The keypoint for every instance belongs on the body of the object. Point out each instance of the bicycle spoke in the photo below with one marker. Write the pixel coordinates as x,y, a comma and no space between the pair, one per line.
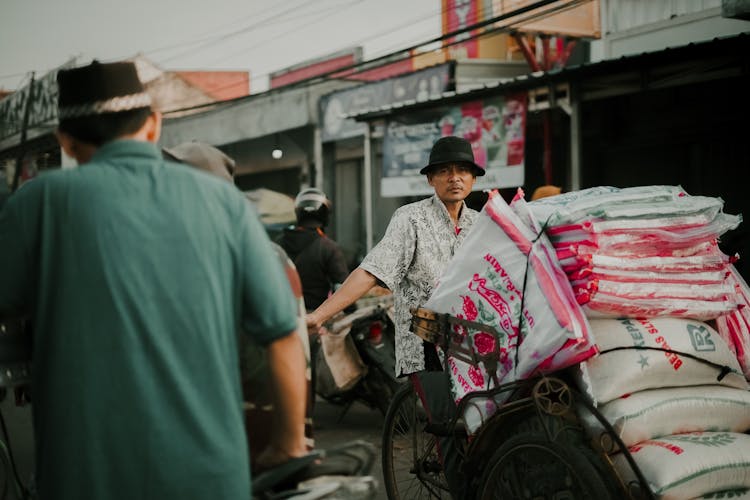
411,465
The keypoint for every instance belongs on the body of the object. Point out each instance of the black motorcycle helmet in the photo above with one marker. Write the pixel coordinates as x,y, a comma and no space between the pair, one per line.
312,205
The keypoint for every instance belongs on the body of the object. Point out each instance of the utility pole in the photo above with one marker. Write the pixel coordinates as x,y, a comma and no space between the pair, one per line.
22,142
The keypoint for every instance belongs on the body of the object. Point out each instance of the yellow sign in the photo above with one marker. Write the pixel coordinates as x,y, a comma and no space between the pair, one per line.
563,18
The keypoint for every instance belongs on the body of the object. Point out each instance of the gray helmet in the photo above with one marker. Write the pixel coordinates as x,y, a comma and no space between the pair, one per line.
312,204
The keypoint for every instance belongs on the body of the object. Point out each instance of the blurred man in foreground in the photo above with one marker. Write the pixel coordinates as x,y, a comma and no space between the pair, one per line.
136,273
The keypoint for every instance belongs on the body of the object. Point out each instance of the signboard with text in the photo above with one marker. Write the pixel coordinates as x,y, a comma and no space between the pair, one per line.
458,15
418,86
43,106
496,128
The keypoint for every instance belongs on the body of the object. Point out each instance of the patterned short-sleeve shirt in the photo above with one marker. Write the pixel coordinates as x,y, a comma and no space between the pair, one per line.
419,242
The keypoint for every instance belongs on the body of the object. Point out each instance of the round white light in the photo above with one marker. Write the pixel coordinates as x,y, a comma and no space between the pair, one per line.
277,154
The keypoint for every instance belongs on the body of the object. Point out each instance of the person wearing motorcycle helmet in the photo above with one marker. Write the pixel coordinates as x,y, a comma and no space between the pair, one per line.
319,260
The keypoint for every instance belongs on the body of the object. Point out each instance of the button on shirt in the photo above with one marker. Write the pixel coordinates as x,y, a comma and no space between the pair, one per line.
420,240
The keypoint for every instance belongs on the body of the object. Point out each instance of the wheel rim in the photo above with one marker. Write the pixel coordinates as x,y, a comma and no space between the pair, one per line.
537,471
553,396
411,466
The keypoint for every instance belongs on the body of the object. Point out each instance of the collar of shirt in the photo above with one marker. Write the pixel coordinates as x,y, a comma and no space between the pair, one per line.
126,147
463,219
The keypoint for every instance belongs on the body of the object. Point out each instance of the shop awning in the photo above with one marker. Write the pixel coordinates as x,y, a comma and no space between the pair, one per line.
701,61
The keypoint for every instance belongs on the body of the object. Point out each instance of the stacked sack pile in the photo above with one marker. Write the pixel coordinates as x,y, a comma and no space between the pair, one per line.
670,317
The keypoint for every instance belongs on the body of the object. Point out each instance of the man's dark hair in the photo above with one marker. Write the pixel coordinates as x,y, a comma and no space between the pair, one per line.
101,129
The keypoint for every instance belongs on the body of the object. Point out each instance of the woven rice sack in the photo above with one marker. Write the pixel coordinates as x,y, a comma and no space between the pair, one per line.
691,465
655,413
629,358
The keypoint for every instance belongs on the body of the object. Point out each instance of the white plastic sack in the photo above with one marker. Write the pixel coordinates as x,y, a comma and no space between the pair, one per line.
655,413
581,249
691,465
506,276
573,206
615,373
657,237
604,305
713,261
731,494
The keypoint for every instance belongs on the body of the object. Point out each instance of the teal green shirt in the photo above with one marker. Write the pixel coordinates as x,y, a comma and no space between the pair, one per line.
137,273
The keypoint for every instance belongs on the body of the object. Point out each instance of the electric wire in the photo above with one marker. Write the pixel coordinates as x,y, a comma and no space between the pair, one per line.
208,35
391,57
243,30
565,6
406,24
266,41
277,17
517,17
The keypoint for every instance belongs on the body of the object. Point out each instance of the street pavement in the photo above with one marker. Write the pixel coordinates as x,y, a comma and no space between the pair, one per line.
331,429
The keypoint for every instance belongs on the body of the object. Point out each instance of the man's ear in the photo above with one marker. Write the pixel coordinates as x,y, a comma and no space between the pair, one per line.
75,148
67,142
152,127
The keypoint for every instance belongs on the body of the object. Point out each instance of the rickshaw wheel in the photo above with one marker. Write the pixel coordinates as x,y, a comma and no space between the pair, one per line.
411,466
529,465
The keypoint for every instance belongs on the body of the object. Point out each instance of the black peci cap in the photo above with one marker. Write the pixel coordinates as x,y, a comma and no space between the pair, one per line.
100,88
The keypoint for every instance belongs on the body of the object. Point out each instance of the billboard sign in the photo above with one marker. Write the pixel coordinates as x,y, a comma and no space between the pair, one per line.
417,86
581,21
43,109
496,128
458,15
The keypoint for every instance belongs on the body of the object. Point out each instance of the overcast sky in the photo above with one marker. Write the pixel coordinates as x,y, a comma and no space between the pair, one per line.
260,36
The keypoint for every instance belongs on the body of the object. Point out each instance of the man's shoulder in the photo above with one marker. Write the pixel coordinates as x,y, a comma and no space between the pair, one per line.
42,181
328,243
413,208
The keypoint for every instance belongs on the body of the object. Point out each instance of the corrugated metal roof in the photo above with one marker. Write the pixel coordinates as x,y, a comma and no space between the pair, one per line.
736,45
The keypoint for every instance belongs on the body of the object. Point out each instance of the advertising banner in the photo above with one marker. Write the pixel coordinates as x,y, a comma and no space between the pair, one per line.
417,86
582,21
496,128
458,15
43,106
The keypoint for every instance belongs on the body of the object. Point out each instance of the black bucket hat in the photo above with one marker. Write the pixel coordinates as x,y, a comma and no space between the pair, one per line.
100,88
451,149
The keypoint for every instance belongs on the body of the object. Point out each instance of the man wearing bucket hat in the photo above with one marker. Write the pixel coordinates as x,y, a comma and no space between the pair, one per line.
135,292
419,242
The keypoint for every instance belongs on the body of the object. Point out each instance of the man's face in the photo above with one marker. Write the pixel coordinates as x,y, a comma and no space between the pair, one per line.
452,181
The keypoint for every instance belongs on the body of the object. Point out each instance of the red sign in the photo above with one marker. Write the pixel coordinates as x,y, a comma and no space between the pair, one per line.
458,15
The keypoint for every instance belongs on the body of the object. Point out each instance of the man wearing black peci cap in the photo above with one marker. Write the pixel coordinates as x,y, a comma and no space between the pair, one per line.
419,242
136,273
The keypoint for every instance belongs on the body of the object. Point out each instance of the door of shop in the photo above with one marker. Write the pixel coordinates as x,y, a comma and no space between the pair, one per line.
348,224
